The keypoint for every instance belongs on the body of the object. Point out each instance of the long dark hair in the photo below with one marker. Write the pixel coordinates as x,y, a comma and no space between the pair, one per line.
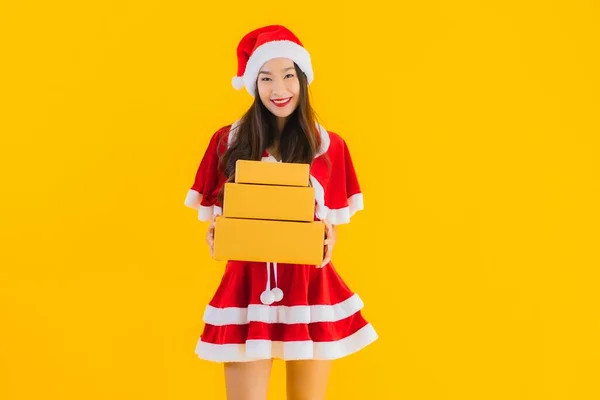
298,143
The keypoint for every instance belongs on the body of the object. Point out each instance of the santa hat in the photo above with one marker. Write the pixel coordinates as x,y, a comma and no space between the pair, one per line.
264,44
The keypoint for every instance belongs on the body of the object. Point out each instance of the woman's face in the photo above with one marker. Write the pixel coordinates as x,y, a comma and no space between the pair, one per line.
278,86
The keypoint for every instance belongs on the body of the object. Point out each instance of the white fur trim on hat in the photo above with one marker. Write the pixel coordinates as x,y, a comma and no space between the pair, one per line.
276,49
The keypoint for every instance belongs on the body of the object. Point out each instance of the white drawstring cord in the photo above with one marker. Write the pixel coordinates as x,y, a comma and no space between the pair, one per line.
278,293
269,296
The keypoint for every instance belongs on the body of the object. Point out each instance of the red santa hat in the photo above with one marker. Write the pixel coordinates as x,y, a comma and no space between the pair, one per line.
264,44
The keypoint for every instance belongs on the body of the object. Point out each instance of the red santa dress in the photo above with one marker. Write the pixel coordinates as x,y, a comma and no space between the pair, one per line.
290,312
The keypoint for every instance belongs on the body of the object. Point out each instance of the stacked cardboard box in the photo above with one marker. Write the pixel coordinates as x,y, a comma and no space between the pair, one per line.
268,215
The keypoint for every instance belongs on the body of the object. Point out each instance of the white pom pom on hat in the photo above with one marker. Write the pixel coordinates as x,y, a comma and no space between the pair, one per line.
237,82
263,44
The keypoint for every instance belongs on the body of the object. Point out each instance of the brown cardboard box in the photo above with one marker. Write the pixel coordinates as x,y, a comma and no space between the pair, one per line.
263,241
284,203
272,173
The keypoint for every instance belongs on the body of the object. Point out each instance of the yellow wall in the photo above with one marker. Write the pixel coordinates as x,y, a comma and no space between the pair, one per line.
473,127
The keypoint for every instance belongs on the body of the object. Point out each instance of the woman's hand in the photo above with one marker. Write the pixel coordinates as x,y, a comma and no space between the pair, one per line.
330,238
210,235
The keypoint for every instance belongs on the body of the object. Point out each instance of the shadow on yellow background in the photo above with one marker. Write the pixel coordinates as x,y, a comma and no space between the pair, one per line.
474,130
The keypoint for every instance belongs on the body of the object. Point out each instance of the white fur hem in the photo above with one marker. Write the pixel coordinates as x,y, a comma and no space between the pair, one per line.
283,314
336,216
301,350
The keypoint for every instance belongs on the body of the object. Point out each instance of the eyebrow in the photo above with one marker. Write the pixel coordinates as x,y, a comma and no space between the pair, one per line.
268,73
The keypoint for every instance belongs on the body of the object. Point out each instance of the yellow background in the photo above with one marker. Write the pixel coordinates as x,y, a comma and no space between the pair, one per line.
473,127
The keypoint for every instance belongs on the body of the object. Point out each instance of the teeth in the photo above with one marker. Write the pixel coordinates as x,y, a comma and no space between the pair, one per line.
280,101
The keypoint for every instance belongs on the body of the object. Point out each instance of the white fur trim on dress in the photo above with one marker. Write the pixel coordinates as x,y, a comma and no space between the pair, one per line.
275,49
205,213
335,216
300,350
233,131
282,314
325,141
193,199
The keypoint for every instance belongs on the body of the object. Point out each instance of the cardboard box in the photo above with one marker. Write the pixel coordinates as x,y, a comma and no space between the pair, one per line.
263,241
272,173
284,203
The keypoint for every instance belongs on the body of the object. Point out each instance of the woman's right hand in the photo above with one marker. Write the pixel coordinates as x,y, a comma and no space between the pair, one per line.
210,235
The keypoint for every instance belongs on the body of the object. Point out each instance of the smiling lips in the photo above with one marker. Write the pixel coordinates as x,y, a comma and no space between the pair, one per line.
281,102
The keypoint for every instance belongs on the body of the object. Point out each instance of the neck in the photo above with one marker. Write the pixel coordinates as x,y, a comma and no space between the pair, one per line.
280,125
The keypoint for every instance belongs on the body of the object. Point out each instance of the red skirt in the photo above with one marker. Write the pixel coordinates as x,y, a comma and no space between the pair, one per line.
284,311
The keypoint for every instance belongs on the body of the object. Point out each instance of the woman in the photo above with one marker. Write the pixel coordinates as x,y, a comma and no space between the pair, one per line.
310,317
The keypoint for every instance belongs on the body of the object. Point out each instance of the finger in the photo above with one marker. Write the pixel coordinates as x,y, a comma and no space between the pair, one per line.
327,258
210,232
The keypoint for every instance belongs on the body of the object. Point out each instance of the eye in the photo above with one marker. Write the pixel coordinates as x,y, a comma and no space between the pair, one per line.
289,76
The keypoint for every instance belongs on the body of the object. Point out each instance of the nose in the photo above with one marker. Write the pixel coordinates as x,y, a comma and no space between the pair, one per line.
278,86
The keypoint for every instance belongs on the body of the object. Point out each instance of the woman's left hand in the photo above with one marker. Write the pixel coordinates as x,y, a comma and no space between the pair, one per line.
330,238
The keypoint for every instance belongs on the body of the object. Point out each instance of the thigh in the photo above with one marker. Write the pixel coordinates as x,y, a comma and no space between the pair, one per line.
307,379
247,380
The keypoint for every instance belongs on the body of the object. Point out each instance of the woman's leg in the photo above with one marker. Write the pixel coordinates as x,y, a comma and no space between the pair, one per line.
307,379
247,380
